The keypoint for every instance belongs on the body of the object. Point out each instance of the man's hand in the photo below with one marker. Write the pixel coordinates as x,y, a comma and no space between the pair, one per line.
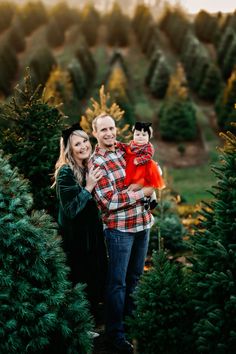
148,191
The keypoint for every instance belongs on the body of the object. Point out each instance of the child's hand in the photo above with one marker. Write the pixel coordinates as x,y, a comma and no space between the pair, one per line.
148,191
134,187
135,162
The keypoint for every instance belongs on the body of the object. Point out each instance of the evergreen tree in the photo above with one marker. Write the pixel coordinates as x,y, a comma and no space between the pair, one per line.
211,83
40,312
178,86
147,36
224,45
117,27
7,11
8,67
141,19
176,25
189,54
167,229
153,63
199,69
59,87
160,79
162,320
214,269
152,43
55,34
206,26
90,21
15,37
118,59
229,60
85,57
33,140
77,77
41,64
32,15
117,83
63,15
178,120
196,61
225,103
118,86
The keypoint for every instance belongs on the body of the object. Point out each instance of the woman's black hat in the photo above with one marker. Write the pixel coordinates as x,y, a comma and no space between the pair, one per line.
67,132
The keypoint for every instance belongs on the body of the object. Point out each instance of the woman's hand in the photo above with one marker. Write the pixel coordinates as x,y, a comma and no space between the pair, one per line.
93,175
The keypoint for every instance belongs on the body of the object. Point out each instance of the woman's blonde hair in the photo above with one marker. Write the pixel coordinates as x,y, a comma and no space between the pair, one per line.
66,157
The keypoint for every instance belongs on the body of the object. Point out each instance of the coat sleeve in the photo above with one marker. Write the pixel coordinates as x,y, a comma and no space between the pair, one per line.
72,197
145,154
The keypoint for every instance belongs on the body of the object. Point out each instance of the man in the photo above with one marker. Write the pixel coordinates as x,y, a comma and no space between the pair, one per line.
127,225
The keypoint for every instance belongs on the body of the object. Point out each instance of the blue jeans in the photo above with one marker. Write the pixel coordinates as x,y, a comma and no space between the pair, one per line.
127,252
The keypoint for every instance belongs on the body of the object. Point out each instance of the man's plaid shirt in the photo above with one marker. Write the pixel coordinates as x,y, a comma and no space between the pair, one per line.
121,209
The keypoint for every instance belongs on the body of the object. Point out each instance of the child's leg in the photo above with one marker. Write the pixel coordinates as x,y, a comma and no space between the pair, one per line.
150,202
153,200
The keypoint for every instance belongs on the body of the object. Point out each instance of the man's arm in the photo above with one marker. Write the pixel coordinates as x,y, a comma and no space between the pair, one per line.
122,146
111,199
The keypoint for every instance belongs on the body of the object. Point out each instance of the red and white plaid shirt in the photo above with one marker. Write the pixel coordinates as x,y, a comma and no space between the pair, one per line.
121,209
143,153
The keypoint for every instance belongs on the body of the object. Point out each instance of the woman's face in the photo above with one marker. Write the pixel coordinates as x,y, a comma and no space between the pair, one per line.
81,148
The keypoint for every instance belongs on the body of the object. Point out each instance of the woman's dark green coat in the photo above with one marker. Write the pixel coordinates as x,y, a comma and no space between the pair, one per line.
82,234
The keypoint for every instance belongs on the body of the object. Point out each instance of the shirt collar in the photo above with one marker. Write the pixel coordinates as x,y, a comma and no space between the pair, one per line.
103,152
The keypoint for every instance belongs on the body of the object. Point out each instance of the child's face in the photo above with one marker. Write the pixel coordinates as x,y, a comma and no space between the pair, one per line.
141,137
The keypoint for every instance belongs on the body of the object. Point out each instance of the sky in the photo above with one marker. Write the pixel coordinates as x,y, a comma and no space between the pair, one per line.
194,6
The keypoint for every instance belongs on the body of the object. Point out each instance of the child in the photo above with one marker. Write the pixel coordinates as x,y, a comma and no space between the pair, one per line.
140,168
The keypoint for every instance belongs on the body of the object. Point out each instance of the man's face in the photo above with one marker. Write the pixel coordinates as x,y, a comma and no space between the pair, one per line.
106,132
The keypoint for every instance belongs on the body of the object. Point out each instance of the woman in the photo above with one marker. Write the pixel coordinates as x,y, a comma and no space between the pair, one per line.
78,219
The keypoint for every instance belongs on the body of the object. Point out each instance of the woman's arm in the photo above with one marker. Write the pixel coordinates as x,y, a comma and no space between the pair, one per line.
72,196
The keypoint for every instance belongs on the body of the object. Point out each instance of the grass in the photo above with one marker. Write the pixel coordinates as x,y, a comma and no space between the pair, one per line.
192,183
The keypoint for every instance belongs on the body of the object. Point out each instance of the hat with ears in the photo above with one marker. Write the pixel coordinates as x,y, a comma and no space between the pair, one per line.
67,132
145,126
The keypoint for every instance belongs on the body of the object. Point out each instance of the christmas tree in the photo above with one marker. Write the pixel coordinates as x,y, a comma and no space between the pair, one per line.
160,79
40,312
32,140
162,321
178,120
214,267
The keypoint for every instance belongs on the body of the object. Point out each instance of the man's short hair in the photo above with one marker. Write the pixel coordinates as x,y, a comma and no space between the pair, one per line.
102,115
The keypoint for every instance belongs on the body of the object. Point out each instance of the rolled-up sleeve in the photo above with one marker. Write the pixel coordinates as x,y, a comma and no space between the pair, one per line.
109,198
